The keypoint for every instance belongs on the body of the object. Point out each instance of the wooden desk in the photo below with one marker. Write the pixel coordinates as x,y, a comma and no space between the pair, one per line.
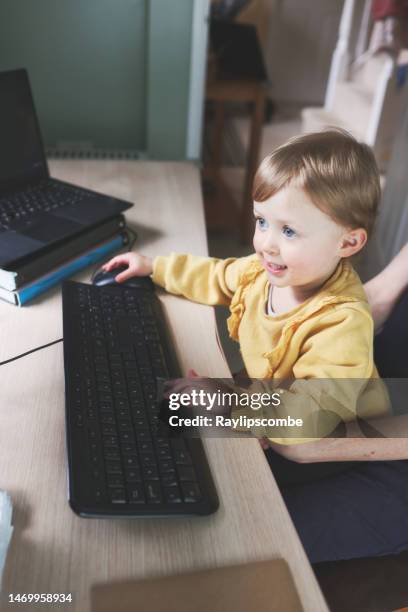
53,550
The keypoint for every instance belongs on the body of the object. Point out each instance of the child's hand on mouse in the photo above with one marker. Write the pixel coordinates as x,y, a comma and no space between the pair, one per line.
138,265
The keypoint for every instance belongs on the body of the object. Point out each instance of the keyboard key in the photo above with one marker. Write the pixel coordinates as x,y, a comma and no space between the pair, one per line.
106,407
172,495
130,462
113,467
166,466
146,446
186,474
191,492
153,492
141,423
143,436
182,457
162,443
109,430
125,425
110,442
126,436
129,449
115,481
123,413
138,411
112,455
148,459
163,453
108,419
169,479
150,473
117,496
136,494
133,475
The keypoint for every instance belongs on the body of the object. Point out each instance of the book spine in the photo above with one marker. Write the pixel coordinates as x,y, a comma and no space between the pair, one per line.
8,280
8,296
38,265
28,293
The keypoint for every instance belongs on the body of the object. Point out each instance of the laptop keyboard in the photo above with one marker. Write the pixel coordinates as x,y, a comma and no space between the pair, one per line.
42,197
123,461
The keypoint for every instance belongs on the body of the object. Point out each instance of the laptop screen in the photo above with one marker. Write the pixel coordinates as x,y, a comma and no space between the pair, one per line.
22,157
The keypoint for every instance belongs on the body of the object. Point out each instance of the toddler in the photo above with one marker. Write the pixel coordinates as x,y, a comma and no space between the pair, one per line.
298,309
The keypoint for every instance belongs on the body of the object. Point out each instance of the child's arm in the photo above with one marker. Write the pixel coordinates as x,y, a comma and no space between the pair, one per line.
206,280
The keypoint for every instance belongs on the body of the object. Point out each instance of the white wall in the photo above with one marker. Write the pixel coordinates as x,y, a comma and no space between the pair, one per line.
301,38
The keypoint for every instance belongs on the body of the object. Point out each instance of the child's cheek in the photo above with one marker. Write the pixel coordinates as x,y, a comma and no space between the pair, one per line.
294,258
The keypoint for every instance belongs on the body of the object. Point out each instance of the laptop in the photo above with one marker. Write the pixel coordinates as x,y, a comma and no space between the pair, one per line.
37,211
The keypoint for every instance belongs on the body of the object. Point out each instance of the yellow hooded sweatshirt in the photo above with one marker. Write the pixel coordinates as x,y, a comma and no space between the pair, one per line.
321,352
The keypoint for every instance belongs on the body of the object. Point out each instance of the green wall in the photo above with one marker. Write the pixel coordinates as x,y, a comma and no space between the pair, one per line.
106,73
169,52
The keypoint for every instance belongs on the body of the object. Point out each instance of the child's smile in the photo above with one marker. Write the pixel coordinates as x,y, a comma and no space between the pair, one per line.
275,269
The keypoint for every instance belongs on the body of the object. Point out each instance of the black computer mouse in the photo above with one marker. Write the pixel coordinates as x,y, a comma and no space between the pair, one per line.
102,278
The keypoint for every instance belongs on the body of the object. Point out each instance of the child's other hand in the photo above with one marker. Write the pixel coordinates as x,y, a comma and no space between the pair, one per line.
192,382
138,265
195,382
264,442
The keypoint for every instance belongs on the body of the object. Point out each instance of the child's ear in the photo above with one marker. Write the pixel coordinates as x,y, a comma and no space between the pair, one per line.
352,242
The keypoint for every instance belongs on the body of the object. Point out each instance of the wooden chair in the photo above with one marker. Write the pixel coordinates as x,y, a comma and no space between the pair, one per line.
221,92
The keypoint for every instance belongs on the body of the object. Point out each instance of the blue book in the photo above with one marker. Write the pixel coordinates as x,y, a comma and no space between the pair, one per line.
28,292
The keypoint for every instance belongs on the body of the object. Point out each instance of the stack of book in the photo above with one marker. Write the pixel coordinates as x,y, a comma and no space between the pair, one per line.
27,278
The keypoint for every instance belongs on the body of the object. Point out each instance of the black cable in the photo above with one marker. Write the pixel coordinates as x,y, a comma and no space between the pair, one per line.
132,241
32,351
133,238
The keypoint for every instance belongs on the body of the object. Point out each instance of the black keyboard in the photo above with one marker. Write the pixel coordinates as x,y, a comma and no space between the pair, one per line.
42,197
123,460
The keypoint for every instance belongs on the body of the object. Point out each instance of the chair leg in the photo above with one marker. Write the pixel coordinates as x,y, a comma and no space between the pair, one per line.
247,221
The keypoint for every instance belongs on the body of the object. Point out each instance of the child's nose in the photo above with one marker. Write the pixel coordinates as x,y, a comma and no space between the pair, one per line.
271,244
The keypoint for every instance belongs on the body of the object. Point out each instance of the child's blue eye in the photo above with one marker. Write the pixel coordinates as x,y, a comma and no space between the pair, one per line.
262,223
288,232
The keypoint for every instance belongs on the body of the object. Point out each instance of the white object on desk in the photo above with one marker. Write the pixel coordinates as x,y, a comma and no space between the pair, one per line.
6,528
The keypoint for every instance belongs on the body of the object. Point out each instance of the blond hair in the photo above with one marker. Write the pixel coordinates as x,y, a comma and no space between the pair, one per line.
338,173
